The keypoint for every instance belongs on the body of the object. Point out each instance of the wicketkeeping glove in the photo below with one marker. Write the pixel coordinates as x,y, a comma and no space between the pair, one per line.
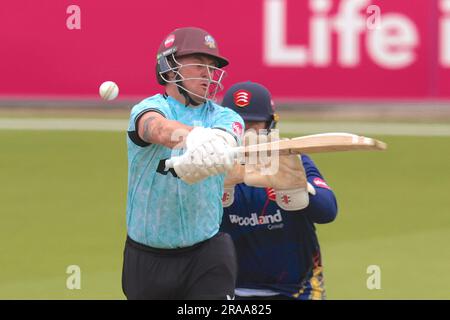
288,179
233,177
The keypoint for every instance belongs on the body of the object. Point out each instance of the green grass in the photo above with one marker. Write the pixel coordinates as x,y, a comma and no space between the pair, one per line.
63,203
394,212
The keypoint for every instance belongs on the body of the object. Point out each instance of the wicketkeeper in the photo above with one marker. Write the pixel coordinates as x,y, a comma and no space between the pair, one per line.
271,217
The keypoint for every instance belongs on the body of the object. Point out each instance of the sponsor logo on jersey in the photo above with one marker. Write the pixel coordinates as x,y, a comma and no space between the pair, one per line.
242,98
254,220
321,183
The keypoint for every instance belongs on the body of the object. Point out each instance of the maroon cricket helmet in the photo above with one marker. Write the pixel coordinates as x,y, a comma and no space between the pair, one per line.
191,40
186,41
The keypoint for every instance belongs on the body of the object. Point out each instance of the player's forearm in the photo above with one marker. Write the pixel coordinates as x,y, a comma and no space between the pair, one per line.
322,206
168,133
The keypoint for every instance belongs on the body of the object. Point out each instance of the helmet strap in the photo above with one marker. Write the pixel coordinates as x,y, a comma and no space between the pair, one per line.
272,123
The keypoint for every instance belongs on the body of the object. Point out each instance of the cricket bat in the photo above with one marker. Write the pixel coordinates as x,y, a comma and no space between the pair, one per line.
316,143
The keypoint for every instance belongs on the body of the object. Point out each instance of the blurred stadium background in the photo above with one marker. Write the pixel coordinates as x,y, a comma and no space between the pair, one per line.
377,68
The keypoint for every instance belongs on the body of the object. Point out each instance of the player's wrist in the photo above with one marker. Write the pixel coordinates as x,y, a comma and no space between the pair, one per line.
292,199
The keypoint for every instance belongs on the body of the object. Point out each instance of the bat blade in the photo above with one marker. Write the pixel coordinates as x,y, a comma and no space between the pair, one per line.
318,143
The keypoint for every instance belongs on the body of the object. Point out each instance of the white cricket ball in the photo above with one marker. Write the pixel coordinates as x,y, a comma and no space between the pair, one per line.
109,90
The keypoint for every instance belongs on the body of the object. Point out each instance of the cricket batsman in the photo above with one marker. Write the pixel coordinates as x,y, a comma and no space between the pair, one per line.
271,217
174,249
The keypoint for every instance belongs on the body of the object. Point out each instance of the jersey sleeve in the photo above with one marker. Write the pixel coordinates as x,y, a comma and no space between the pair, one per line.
231,122
149,105
323,205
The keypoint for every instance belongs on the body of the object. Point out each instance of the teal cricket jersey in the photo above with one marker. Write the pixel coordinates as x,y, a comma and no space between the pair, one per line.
162,210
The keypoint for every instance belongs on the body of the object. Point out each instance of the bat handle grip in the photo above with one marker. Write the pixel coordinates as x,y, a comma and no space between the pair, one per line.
233,151
236,153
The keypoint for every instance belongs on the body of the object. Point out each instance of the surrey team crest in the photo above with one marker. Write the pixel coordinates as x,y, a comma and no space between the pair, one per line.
210,42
